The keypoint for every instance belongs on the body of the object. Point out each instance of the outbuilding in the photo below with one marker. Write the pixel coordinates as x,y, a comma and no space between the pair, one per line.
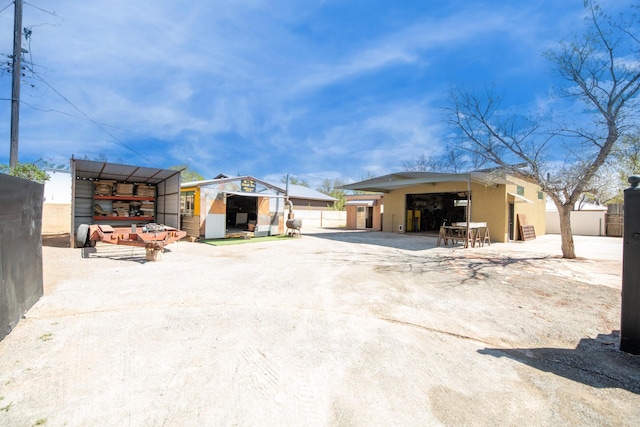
364,211
424,201
224,206
122,195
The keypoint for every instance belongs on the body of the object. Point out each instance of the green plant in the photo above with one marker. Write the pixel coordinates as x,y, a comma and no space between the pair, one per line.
27,171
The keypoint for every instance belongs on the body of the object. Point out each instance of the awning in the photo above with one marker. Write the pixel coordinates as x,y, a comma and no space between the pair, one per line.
361,203
88,169
516,198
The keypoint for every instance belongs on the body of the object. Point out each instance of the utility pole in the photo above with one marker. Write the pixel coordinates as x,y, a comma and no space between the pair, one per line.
15,89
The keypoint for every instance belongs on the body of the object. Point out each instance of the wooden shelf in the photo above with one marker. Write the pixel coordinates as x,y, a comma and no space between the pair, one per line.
124,218
130,198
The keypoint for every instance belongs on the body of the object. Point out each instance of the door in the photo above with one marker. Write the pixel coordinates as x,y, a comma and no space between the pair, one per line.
512,211
361,217
369,218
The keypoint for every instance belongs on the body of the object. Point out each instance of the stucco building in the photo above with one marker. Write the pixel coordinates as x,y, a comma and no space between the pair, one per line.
423,201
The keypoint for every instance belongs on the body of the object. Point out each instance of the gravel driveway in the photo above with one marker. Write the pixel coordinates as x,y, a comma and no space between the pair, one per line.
335,328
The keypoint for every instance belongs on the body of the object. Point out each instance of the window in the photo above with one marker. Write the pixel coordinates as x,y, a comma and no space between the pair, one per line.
187,201
520,190
540,195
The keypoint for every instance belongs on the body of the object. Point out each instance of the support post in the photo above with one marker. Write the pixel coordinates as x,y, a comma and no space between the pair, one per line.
630,316
15,87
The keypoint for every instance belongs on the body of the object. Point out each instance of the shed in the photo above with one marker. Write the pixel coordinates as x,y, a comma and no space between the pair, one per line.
121,195
364,211
226,206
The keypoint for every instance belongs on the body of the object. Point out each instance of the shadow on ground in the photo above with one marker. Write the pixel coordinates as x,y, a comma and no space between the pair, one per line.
60,240
596,362
411,242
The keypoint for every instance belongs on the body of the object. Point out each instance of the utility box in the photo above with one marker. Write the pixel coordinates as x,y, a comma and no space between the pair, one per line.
630,319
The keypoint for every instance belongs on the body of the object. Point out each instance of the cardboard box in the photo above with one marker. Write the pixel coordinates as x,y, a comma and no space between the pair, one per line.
104,187
121,205
124,189
145,191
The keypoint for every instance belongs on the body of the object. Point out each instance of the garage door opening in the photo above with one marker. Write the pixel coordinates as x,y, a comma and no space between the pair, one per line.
242,213
427,212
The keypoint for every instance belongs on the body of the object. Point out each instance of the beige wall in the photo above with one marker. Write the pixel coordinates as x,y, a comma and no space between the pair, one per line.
536,212
488,204
321,218
56,218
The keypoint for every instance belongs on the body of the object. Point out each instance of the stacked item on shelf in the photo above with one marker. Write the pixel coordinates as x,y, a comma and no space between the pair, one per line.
99,210
145,191
125,190
104,187
147,208
121,208
135,208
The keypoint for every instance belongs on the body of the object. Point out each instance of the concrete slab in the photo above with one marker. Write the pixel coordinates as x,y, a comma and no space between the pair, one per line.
334,328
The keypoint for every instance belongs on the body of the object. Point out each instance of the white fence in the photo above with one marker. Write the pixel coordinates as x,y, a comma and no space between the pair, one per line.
318,218
583,223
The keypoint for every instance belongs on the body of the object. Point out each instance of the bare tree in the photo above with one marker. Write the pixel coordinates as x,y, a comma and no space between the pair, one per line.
453,161
596,71
421,163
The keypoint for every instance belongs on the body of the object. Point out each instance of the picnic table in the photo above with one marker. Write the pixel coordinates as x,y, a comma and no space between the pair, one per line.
478,233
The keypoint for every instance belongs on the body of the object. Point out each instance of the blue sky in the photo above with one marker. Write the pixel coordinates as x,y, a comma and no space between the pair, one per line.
336,89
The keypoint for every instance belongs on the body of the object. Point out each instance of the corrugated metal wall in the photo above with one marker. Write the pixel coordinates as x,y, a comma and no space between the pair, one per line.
82,203
168,202
21,283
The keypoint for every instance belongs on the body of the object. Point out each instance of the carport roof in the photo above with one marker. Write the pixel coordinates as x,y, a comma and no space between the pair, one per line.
88,169
395,181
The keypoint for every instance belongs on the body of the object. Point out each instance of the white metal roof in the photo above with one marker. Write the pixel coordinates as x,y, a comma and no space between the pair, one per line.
89,169
395,181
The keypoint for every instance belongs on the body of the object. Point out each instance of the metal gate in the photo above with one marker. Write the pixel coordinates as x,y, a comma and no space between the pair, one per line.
21,282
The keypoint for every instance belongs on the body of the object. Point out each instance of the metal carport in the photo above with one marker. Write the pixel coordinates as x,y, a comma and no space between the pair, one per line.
85,172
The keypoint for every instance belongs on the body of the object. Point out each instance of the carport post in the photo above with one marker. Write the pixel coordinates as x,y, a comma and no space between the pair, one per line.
630,319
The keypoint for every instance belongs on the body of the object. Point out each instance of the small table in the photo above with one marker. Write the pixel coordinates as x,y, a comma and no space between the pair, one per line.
478,232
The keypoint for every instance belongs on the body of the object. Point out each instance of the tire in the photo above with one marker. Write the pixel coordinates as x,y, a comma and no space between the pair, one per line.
82,235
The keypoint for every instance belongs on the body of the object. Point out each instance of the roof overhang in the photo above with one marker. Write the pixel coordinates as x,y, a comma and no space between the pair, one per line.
516,198
361,203
388,183
245,194
88,169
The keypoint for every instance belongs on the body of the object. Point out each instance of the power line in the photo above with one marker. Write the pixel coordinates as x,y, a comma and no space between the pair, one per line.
64,113
5,8
100,126
52,13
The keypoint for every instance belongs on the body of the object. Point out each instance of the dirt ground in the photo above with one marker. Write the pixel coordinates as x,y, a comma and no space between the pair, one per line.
335,328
